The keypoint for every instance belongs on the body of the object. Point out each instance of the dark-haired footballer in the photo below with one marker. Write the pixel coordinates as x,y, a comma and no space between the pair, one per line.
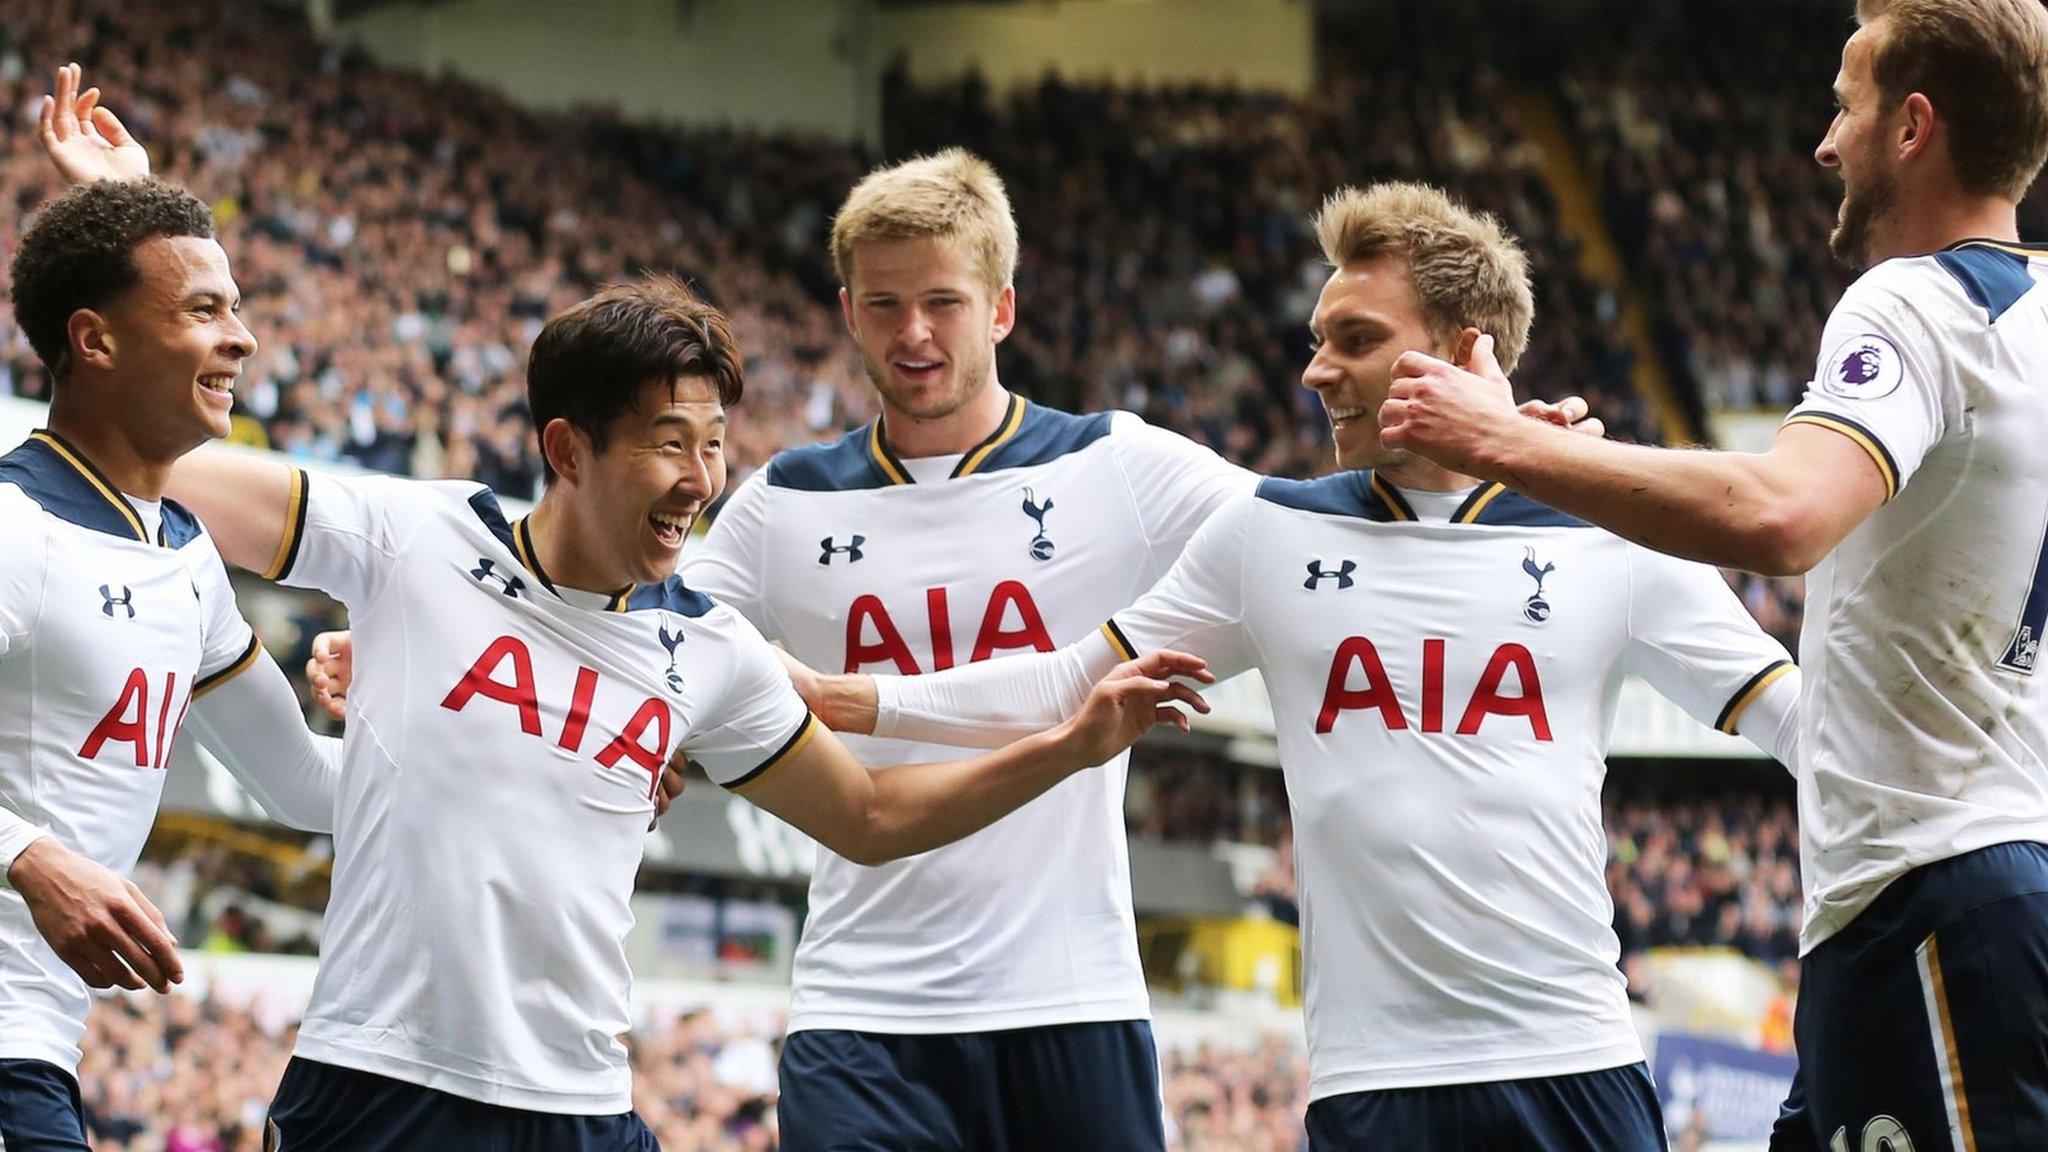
116,616
518,688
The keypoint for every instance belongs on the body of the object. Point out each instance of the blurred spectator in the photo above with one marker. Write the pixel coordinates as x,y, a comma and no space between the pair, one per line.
1704,142
1700,872
399,239
183,1074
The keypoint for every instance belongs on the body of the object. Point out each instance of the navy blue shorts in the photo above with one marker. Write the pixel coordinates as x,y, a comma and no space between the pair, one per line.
1923,1025
325,1108
1059,1088
39,1108
1613,1110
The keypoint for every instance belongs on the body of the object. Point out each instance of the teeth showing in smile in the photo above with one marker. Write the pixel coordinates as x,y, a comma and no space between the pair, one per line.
218,383
1339,415
668,522
916,365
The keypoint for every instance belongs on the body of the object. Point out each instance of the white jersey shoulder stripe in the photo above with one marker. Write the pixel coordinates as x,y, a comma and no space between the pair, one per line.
1367,495
295,529
1731,716
790,747
241,664
862,459
1864,439
52,472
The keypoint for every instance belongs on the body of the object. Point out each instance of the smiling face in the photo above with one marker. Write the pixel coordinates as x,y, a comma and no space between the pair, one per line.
662,464
1855,146
926,324
171,346
1365,318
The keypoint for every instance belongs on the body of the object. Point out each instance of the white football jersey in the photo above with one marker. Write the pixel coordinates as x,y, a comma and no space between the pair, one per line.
504,743
860,562
1925,716
1443,691
108,630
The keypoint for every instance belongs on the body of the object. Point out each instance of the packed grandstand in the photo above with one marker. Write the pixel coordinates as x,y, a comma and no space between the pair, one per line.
400,238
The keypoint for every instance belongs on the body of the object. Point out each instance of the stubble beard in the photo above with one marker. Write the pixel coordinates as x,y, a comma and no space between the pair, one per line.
967,383
1857,222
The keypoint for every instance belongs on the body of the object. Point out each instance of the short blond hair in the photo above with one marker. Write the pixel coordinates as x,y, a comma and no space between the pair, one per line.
1466,269
952,195
1983,64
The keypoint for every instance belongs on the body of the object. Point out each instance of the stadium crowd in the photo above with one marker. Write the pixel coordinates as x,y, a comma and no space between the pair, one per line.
1706,872
184,1073
400,239
1706,160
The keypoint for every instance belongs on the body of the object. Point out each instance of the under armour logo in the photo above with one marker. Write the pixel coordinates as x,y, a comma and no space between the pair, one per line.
125,600
1341,574
1535,609
827,550
1041,545
672,642
487,569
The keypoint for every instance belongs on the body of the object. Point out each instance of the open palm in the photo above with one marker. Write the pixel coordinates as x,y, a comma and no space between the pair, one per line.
85,141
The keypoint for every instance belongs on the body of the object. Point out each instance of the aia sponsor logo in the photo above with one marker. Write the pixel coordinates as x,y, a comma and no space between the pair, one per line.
502,675
1358,683
1010,621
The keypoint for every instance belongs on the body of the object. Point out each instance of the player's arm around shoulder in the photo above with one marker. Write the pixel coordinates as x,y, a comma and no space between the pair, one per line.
1819,485
247,503
872,816
1776,512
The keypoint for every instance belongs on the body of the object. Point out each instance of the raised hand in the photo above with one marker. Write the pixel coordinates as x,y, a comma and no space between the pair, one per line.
85,141
330,670
98,922
1136,694
1453,414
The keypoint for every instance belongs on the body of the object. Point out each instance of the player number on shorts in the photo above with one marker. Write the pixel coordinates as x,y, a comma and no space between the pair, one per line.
1882,1134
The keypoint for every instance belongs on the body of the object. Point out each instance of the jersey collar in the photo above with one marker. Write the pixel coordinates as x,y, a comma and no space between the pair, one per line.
1396,507
1475,504
58,476
1389,500
2013,246
890,466
529,556
1386,500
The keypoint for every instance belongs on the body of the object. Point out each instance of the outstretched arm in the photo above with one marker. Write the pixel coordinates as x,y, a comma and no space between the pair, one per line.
1776,512
253,723
871,816
244,500
989,704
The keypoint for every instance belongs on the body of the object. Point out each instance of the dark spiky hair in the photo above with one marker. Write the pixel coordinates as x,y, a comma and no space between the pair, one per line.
80,253
591,360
